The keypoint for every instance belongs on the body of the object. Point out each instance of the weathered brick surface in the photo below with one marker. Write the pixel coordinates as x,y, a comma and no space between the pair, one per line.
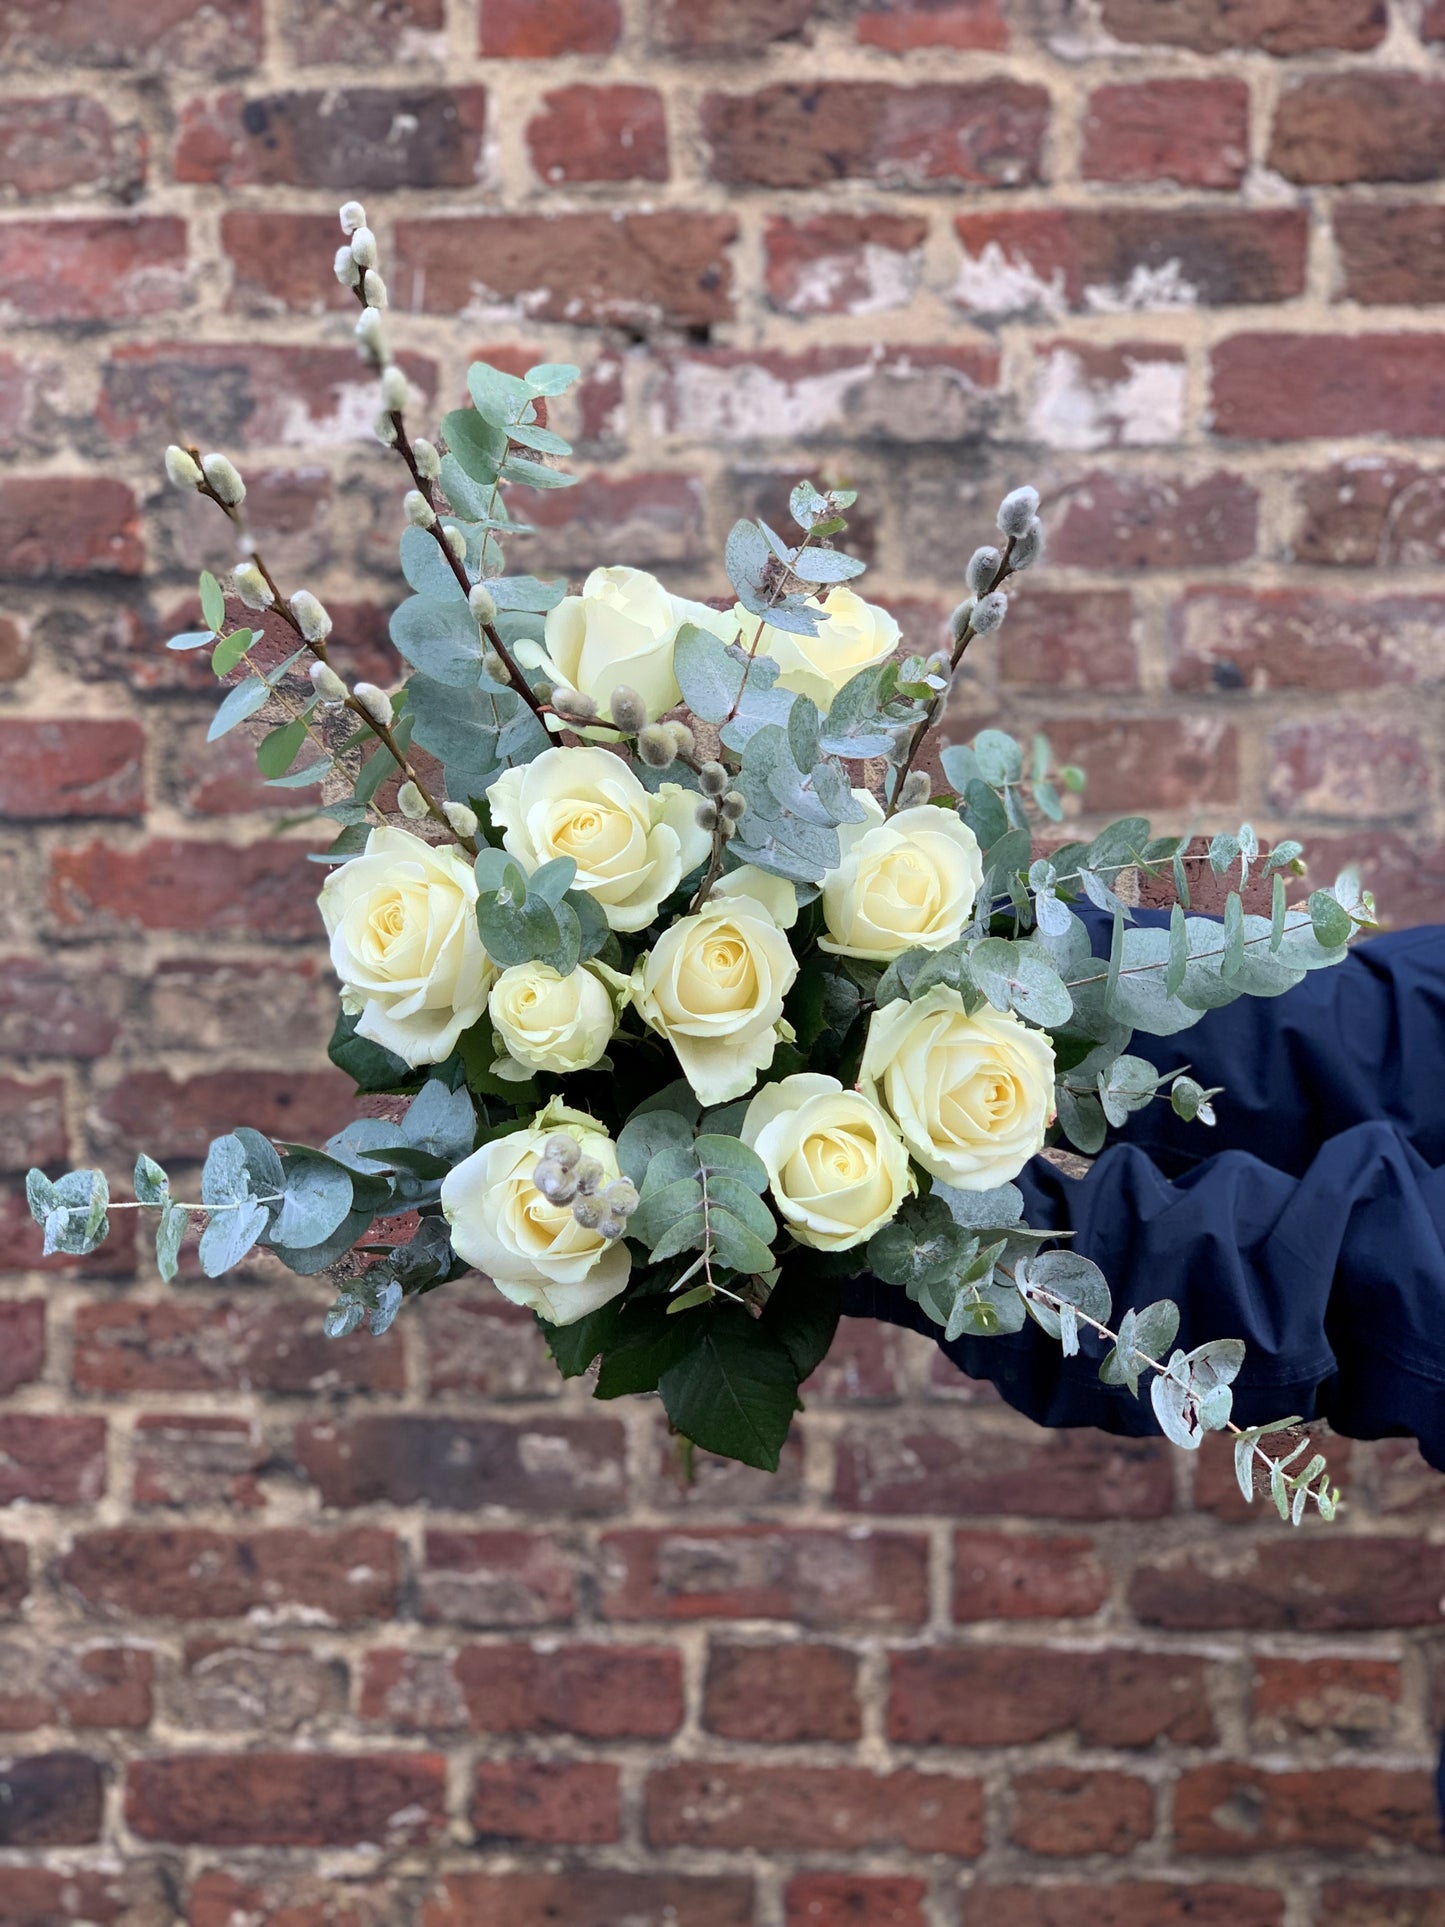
406,1633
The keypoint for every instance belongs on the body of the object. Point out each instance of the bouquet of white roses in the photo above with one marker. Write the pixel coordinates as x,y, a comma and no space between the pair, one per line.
690,995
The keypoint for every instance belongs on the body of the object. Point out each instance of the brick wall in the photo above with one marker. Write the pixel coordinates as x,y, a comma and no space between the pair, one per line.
383,1634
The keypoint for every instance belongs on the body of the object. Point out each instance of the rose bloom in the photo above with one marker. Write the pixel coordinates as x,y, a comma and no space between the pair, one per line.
907,883
621,629
631,848
402,918
837,1167
548,1022
854,636
972,1095
714,985
534,1251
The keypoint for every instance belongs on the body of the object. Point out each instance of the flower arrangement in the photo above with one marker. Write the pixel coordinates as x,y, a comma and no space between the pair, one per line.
689,996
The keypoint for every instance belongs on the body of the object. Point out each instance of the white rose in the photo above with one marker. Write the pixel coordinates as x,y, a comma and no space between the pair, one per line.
621,629
854,635
776,895
972,1095
552,1023
402,918
631,849
534,1251
714,986
837,1167
908,883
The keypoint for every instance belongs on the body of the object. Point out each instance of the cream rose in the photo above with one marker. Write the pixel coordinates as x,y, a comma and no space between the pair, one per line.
714,986
534,1251
402,918
907,883
973,1095
853,636
631,849
548,1022
621,629
837,1167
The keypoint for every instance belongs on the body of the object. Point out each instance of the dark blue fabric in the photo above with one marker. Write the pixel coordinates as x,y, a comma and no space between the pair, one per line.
1310,1221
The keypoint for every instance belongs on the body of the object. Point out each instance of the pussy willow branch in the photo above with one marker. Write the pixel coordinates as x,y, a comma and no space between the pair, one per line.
714,868
931,714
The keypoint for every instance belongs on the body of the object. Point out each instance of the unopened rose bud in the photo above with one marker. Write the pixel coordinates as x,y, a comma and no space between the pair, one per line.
375,702
562,1150
573,707
224,478
588,1213
683,740
621,1196
252,587
327,684
419,511
428,462
917,788
707,817
395,389
654,745
345,268
483,606
311,617
374,289
1017,509
363,247
182,469
989,612
1029,546
410,801
384,428
462,819
589,1175
712,779
629,711
370,336
456,541
733,807
983,566
353,216
961,620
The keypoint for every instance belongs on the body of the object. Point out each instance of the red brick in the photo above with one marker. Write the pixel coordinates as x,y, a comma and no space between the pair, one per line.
1080,639
571,1466
264,1342
509,1579
897,394
761,1572
1402,1484
343,1578
1142,1903
1361,1903
100,268
1354,1702
584,133
1407,875
363,33
1153,522
1216,1489
591,1897
1319,1585
855,1900
78,1897
230,1686
22,1342
22,1242
1193,132
1346,769
1274,26
205,889
866,1365
571,1802
1018,1575
651,518
597,1692
947,1465
1432,23
808,135
842,263
50,1800
184,1459
273,1898
68,525
93,1687
14,1577
724,26
1005,1696
698,1803
209,34
478,1343
1331,129
392,1800
1059,1811
1230,1808
521,30
1281,387
1391,255
347,139
900,25
781,1694
62,143
32,1131
279,266
1371,511
635,270
703,1484
1150,763
1122,258
15,653
53,768
176,1117
1294,639
51,1459
1129,394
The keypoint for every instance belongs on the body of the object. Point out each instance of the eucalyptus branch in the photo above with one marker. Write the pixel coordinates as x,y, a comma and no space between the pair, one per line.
780,589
